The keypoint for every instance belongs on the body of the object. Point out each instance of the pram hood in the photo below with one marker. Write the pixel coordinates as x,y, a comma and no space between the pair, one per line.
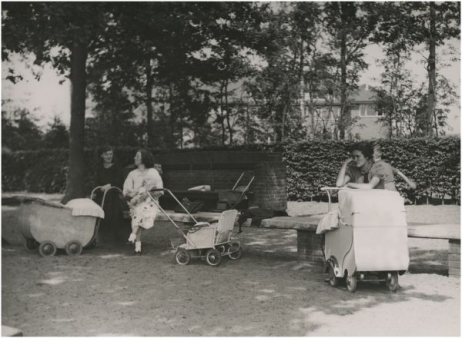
372,208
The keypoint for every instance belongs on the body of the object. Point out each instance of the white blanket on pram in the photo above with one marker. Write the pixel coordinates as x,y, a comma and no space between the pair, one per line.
328,222
85,207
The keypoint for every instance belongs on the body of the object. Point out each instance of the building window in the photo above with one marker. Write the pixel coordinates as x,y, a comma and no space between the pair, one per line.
355,111
369,110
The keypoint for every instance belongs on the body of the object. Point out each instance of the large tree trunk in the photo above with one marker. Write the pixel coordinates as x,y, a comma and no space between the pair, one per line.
431,74
149,110
75,176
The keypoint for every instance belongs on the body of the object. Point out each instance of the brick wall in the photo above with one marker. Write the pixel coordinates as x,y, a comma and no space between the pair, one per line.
221,170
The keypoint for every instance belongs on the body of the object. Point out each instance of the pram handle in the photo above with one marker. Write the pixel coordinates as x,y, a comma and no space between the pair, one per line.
174,197
328,190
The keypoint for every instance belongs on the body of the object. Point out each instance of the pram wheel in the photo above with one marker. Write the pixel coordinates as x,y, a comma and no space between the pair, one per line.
182,256
392,282
333,280
31,245
73,248
213,257
235,251
351,283
47,249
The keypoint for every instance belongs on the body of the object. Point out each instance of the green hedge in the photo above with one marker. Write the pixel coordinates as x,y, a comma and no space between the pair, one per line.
433,163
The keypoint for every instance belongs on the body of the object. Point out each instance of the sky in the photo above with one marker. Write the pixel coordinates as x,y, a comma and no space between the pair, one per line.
48,98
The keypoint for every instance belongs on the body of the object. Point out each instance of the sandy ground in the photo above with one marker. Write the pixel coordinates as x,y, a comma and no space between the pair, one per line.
108,292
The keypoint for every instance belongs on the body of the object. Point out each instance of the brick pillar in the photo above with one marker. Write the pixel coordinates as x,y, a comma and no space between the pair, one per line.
454,258
270,185
309,248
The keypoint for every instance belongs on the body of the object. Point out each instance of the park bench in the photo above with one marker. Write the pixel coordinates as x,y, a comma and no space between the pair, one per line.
309,244
8,331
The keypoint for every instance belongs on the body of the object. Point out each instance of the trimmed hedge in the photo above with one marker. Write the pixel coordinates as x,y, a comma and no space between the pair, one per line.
433,163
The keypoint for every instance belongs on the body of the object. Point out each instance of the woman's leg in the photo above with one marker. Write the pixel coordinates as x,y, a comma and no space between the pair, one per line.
134,234
138,240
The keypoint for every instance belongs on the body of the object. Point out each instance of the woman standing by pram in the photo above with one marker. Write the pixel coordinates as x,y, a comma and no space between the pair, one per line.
143,212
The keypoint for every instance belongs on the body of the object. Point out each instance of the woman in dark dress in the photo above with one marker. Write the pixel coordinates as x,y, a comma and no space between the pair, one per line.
109,174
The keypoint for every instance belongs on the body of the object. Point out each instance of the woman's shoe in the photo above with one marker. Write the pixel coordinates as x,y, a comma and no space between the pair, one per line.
137,253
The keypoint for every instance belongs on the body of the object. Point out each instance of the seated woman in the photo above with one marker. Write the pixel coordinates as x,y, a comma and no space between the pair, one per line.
381,174
143,210
109,174
356,168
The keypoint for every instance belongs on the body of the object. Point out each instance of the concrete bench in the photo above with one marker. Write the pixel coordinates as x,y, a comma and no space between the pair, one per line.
8,331
309,244
450,232
201,216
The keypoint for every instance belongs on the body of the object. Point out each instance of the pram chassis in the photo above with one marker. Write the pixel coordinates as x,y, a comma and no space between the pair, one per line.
206,245
349,270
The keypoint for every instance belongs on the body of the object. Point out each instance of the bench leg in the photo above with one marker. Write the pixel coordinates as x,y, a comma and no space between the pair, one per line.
309,248
454,258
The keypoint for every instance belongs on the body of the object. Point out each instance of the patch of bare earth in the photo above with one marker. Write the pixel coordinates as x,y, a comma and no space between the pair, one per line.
108,292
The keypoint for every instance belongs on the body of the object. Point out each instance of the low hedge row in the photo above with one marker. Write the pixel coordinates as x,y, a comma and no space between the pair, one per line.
433,163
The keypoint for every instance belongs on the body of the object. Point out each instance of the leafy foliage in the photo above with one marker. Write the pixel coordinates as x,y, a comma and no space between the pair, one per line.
434,164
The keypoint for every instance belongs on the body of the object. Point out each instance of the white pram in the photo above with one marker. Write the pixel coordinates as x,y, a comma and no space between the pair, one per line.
370,242
210,241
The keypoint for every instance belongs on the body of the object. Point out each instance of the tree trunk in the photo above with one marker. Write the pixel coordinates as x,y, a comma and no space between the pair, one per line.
228,122
75,176
222,118
149,110
343,84
302,82
431,73
172,118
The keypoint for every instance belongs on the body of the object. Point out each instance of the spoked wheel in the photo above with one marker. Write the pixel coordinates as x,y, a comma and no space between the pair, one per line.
235,250
213,257
47,249
392,282
333,280
351,283
73,248
31,245
182,256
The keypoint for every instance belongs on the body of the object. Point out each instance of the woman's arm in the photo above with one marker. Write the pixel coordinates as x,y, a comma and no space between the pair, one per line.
343,179
157,183
128,186
409,182
371,185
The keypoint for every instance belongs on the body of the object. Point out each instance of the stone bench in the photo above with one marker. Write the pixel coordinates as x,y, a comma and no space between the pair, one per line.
450,232
309,245
8,331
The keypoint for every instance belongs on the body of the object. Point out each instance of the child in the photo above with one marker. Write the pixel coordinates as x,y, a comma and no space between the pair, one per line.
141,197
387,170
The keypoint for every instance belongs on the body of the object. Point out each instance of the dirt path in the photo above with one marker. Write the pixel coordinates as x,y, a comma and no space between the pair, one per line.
108,292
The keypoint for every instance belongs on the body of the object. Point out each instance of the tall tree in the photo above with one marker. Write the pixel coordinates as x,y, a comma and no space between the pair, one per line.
64,35
414,23
349,25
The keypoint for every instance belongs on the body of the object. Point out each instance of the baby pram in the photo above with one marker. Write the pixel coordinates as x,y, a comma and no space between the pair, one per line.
48,226
205,240
370,241
229,199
